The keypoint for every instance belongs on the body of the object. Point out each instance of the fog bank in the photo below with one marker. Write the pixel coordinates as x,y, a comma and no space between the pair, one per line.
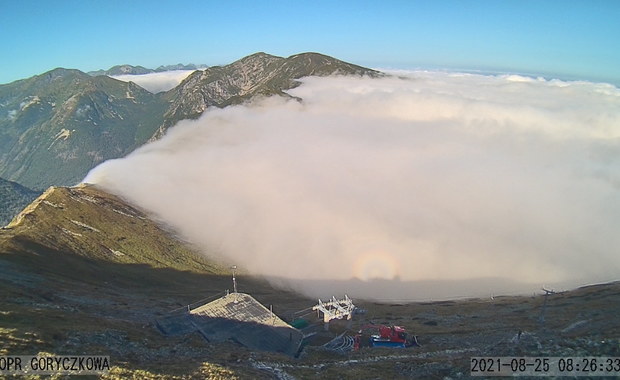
431,177
156,82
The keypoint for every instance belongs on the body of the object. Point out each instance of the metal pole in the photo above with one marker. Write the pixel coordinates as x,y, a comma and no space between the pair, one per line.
544,307
234,279
271,311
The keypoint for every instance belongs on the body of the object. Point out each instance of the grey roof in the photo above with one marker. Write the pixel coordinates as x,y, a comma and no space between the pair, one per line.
238,317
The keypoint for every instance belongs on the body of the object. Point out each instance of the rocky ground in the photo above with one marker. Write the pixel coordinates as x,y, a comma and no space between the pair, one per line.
82,273
117,320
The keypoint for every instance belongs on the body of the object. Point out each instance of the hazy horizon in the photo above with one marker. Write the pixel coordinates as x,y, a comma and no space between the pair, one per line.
566,40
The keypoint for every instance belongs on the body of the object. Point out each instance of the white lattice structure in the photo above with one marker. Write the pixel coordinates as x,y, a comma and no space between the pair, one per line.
335,309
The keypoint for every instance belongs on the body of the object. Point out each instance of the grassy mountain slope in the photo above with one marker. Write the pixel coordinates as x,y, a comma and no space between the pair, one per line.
13,198
57,126
84,221
83,272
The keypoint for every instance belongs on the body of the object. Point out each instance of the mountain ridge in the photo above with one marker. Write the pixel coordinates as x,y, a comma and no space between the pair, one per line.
88,222
56,126
85,272
127,69
259,74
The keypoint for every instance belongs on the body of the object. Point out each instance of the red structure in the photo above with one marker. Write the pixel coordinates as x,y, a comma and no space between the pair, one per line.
388,336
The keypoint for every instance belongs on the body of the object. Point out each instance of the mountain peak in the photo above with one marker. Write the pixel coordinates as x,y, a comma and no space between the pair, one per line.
122,70
311,54
60,72
261,55
259,74
60,124
259,58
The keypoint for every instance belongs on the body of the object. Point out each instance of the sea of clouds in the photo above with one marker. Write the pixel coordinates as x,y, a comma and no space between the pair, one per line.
156,82
414,186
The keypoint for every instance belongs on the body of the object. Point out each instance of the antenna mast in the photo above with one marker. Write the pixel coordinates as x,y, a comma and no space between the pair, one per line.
541,319
234,267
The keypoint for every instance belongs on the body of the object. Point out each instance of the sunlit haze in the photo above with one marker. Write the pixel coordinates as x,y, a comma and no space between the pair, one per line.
500,182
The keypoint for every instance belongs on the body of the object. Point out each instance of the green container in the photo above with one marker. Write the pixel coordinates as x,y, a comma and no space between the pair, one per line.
299,323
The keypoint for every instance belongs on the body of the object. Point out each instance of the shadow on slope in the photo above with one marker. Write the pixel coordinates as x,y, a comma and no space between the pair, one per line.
59,302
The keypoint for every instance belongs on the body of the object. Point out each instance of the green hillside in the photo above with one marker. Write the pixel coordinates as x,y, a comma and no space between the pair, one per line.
82,272
57,126
84,221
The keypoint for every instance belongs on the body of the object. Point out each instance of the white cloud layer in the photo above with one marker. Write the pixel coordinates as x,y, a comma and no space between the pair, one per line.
156,82
445,184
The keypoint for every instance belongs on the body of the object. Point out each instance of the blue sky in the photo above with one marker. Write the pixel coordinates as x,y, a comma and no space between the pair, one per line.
567,39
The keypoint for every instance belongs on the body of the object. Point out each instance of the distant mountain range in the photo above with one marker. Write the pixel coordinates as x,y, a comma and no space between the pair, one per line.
56,126
139,70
